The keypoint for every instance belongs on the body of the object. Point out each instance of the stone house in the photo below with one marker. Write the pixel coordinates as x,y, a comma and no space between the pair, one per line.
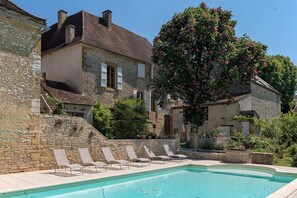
98,59
258,99
20,65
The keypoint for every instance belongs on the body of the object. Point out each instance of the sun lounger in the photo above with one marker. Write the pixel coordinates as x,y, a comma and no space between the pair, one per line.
63,162
88,161
172,155
110,159
132,156
152,156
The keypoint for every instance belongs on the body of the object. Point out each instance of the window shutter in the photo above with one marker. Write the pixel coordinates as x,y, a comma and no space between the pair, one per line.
152,71
103,75
141,70
120,78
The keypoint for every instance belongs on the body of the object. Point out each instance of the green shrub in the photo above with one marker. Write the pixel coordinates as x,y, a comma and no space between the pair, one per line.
292,150
102,119
252,142
129,118
59,108
294,161
211,144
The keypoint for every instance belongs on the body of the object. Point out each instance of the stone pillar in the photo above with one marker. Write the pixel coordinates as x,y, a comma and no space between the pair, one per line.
194,138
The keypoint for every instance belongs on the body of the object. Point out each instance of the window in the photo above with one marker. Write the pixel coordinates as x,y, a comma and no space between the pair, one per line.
111,76
141,70
140,95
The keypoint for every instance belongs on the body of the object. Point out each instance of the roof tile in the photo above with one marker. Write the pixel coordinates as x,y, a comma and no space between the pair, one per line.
90,29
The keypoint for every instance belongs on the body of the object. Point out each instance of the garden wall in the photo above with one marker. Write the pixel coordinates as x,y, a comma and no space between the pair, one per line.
262,158
232,156
70,133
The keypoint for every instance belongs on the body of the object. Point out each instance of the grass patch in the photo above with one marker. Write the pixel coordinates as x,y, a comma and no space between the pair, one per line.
285,161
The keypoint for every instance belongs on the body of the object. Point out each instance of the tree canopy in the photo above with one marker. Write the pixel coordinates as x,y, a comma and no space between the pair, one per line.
198,58
281,74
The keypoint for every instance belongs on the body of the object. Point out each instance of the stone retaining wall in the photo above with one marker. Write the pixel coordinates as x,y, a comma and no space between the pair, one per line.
232,156
204,155
262,158
238,156
31,148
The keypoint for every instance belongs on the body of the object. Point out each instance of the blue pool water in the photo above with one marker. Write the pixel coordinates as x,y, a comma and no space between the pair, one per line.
183,182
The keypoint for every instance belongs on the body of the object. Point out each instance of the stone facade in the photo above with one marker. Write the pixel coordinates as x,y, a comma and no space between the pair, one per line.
20,65
91,75
266,103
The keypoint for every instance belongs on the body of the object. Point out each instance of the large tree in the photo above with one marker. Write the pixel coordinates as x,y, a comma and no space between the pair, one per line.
281,74
198,58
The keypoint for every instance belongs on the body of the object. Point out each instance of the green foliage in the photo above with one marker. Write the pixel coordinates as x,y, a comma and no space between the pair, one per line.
59,108
241,118
251,142
294,161
282,129
102,119
211,144
278,136
129,118
292,150
268,128
199,58
288,125
281,73
285,161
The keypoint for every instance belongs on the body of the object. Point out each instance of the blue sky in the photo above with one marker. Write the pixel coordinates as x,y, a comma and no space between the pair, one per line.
272,22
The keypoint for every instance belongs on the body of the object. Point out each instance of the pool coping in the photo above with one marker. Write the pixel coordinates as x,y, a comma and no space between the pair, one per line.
19,182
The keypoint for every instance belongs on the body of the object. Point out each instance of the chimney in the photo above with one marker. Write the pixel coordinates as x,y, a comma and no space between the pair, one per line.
69,33
62,16
107,17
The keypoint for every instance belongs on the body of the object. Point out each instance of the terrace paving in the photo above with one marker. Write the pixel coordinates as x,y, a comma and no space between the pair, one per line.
45,178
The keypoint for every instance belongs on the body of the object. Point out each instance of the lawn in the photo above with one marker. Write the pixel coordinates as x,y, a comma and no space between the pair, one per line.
285,161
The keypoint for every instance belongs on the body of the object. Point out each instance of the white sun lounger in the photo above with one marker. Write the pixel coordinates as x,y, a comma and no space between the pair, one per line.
152,155
110,159
63,162
88,161
133,157
172,155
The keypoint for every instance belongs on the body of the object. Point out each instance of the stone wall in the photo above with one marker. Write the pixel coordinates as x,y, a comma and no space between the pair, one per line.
19,94
238,156
91,86
31,148
71,133
262,158
266,103
204,155
232,156
19,64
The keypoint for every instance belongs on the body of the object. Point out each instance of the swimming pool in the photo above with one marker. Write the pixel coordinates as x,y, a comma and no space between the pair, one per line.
180,182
